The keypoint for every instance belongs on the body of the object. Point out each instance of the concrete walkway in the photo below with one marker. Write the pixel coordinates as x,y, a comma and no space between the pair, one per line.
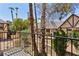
20,53
17,51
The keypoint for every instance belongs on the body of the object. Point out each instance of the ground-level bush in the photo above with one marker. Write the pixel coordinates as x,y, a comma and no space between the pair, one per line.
60,43
75,35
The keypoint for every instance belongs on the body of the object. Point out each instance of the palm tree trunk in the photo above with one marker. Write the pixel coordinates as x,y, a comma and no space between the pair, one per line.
32,29
12,14
43,27
16,12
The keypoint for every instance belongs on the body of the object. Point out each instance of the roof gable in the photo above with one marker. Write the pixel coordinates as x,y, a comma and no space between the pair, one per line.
71,21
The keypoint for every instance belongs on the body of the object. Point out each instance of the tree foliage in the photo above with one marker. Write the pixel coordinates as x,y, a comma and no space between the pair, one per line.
60,43
75,35
25,23
19,24
57,10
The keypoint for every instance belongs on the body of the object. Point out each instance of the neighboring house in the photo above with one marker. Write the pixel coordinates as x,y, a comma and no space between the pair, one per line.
3,28
50,26
71,23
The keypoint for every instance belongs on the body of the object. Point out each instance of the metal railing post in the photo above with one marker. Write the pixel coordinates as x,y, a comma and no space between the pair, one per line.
51,44
71,47
1,53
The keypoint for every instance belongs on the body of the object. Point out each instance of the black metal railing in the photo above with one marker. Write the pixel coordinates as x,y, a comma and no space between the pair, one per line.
20,39
49,46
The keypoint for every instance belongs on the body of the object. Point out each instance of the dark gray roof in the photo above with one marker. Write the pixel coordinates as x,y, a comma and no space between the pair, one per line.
51,24
2,21
55,24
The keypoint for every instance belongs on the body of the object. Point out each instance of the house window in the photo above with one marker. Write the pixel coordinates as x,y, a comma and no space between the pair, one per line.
1,26
69,29
48,30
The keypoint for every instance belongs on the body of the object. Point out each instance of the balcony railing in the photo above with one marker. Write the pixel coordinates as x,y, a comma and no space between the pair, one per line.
22,40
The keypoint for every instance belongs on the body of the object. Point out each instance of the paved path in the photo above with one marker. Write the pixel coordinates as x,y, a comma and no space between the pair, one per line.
20,53
15,52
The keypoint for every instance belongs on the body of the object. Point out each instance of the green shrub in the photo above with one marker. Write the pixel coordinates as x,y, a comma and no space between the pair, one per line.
24,37
24,34
60,43
75,35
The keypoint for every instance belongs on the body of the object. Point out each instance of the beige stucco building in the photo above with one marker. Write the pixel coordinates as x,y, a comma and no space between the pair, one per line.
4,26
50,26
69,23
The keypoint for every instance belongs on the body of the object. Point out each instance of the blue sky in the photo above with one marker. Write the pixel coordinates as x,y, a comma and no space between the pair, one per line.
5,13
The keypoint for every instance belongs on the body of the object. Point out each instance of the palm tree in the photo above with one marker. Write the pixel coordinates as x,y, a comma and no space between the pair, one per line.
43,27
11,12
16,12
31,19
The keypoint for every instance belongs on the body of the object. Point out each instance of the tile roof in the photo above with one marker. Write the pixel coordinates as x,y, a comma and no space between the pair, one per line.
56,24
51,24
2,21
